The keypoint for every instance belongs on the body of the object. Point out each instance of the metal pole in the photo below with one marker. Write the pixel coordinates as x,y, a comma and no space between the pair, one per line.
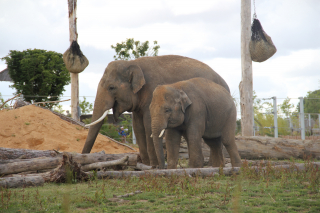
319,121
309,118
254,127
275,113
303,134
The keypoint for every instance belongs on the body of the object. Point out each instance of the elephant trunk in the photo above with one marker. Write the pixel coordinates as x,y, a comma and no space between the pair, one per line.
99,112
157,132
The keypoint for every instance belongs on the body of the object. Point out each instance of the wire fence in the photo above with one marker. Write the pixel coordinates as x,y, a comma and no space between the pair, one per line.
286,120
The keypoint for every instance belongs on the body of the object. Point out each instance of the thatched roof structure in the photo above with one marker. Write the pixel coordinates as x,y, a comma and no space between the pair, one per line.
4,75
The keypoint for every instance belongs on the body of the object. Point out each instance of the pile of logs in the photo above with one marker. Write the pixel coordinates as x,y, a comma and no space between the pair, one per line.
23,167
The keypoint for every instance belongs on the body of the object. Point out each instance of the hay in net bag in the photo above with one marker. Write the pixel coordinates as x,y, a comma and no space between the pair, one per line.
261,46
74,59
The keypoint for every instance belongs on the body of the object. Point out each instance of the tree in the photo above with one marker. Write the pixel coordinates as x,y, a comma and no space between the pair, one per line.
58,109
39,75
86,107
286,107
2,102
131,49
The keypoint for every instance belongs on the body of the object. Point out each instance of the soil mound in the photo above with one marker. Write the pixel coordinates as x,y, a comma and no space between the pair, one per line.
32,127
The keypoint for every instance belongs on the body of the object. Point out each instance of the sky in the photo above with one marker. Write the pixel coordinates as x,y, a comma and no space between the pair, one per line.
206,30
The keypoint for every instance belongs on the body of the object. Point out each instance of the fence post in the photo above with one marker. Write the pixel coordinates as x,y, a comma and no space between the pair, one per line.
254,126
319,120
309,117
303,134
275,113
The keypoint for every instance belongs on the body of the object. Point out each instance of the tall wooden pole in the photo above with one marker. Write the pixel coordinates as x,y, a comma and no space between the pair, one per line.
246,85
72,7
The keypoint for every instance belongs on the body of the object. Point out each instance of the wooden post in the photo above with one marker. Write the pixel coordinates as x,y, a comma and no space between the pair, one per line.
72,8
246,85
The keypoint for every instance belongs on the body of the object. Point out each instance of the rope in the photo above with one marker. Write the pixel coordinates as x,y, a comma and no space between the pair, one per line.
74,23
254,6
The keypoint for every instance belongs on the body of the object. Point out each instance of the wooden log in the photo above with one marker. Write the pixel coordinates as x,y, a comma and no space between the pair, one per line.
141,166
202,172
22,181
92,158
122,161
258,147
30,165
49,163
7,153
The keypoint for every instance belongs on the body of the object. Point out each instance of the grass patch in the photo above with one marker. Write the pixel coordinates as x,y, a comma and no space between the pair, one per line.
275,190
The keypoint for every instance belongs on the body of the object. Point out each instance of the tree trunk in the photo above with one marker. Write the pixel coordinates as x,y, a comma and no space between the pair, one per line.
22,181
246,85
47,163
31,165
258,147
202,172
7,153
123,162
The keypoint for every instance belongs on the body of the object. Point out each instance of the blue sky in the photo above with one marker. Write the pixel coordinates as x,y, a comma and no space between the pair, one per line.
207,30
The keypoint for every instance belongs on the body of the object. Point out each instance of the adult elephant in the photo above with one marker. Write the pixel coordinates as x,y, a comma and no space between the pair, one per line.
128,86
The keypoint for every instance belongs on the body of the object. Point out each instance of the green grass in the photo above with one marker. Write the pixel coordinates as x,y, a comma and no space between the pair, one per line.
275,190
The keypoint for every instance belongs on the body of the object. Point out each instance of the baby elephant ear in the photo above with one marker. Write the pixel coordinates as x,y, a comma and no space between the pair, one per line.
185,101
136,78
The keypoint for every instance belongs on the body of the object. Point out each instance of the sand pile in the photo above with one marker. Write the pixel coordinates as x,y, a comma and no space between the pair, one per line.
32,127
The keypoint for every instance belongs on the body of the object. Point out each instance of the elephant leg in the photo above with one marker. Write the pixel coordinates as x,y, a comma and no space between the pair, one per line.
149,141
173,139
140,134
216,156
193,139
228,140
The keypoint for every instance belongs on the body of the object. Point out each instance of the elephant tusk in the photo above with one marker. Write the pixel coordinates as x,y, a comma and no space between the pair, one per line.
161,133
100,119
151,136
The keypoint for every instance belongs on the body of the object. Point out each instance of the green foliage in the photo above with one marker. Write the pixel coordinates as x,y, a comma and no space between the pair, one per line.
39,75
86,107
131,49
286,107
311,103
2,101
58,109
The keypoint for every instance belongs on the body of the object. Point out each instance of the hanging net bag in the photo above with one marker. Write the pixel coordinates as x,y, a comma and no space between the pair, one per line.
261,46
74,59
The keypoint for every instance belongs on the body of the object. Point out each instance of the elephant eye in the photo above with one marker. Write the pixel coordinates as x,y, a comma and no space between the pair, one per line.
167,110
112,87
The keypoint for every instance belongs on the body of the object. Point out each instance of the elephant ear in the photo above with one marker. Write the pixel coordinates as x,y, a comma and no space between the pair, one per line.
185,101
136,78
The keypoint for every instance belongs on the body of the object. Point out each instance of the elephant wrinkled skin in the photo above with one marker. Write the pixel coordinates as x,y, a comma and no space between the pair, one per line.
196,108
128,86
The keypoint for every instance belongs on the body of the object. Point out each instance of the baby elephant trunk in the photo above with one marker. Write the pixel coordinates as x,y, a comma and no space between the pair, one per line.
157,134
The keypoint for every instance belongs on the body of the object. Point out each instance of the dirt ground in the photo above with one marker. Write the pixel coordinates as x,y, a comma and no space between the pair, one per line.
32,127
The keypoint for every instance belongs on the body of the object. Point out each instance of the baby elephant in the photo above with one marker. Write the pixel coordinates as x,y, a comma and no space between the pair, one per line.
195,109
